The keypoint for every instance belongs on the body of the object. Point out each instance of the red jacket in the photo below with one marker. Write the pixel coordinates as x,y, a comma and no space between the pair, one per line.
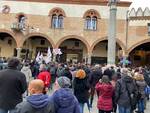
105,96
45,76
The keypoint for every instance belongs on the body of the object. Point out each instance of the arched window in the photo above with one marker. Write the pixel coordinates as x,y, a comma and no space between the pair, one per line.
91,20
21,21
57,18
54,21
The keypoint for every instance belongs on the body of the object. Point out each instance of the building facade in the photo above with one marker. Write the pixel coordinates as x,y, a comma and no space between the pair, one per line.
78,27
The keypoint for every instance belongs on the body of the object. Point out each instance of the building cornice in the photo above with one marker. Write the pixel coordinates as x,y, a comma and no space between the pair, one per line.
81,2
140,18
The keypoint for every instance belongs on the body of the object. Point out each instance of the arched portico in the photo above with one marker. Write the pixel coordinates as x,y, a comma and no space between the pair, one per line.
99,50
8,43
139,53
74,48
36,42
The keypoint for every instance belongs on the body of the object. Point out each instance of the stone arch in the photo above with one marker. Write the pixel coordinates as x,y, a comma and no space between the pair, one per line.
12,34
120,43
95,12
137,44
51,12
38,34
73,37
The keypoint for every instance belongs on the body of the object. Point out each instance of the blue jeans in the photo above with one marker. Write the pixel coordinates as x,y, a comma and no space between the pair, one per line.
124,109
141,105
6,111
81,107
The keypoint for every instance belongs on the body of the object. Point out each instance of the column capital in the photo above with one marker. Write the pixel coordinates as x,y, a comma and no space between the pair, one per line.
19,48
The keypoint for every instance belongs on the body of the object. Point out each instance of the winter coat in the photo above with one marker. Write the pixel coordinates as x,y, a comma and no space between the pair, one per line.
66,73
45,76
141,85
94,77
65,101
121,94
12,85
27,71
105,96
36,104
81,89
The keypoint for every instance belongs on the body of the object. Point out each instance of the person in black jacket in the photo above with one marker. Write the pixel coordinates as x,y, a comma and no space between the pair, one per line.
81,88
37,102
12,85
94,78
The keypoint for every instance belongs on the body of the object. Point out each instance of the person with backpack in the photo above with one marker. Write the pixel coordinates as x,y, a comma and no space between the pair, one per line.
141,85
126,93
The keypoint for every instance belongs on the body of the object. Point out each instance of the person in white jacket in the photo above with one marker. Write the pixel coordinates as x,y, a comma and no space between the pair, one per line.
28,74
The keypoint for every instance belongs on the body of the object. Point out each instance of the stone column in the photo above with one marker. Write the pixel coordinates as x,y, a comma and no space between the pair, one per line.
89,58
111,59
19,52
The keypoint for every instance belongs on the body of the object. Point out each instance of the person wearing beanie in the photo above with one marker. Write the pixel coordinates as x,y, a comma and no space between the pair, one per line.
81,89
64,99
13,85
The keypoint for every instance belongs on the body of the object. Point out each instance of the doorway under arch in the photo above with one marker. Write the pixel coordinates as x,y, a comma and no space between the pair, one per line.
33,45
73,50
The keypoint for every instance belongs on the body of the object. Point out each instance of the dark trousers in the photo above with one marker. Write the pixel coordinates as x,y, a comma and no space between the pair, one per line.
102,111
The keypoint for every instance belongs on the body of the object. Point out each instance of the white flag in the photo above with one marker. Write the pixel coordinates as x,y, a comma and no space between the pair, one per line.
49,56
38,57
57,51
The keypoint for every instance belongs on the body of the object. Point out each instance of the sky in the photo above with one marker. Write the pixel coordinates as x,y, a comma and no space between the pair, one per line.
139,3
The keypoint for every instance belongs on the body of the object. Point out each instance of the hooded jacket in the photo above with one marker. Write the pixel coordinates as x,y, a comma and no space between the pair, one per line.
121,94
36,104
65,101
105,98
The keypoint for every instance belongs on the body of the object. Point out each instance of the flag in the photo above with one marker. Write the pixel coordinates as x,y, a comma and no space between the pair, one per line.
57,51
38,57
49,56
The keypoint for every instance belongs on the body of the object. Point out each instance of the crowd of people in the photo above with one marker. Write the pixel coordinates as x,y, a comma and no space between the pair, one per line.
25,88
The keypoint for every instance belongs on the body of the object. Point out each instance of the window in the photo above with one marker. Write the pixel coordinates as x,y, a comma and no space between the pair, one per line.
149,29
57,21
91,19
57,18
91,23
21,21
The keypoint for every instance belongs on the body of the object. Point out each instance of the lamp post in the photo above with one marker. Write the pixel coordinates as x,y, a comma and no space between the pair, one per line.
111,59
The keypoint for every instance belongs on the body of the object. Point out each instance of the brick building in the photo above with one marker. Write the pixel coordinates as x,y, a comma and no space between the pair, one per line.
78,27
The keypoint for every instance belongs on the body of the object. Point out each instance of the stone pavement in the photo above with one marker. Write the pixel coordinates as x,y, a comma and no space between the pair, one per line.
94,108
